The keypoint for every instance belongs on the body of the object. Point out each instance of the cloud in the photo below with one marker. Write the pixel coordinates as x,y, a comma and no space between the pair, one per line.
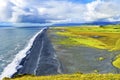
5,11
102,9
58,11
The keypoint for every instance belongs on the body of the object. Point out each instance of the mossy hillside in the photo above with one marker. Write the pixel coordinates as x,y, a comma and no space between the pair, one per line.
107,37
76,76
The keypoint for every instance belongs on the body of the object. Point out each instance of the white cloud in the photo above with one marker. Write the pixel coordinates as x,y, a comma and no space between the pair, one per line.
57,11
103,9
4,10
42,11
63,11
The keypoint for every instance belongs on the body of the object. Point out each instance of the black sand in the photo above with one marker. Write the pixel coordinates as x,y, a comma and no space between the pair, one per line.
41,59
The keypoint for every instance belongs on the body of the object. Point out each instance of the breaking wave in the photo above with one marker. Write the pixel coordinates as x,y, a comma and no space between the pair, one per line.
12,68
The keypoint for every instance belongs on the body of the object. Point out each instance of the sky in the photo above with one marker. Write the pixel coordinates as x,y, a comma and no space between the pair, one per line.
59,11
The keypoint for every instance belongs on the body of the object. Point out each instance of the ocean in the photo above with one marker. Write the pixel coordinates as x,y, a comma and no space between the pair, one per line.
12,41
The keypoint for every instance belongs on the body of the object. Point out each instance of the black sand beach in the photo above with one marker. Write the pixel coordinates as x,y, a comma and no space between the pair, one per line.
41,59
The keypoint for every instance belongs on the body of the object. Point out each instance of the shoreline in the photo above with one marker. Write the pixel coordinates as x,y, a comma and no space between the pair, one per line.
14,65
42,59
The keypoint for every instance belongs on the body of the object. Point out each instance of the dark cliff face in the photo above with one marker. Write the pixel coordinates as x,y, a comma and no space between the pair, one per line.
41,59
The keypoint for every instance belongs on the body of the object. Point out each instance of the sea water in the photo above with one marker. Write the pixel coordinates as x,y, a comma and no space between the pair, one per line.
12,41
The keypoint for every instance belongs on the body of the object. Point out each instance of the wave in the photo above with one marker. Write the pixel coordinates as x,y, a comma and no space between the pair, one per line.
15,64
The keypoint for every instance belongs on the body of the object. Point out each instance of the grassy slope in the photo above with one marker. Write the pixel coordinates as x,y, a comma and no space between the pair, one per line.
70,77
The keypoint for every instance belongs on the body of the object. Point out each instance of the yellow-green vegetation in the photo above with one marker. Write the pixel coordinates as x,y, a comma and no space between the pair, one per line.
76,76
101,58
96,71
116,62
107,37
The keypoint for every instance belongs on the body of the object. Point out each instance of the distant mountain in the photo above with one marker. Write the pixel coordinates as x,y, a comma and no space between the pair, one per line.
89,23
67,24
103,23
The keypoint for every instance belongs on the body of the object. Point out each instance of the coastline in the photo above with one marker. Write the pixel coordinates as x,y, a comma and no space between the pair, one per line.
92,58
14,65
41,59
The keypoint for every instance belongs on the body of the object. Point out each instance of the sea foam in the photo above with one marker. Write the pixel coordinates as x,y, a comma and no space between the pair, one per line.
14,65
